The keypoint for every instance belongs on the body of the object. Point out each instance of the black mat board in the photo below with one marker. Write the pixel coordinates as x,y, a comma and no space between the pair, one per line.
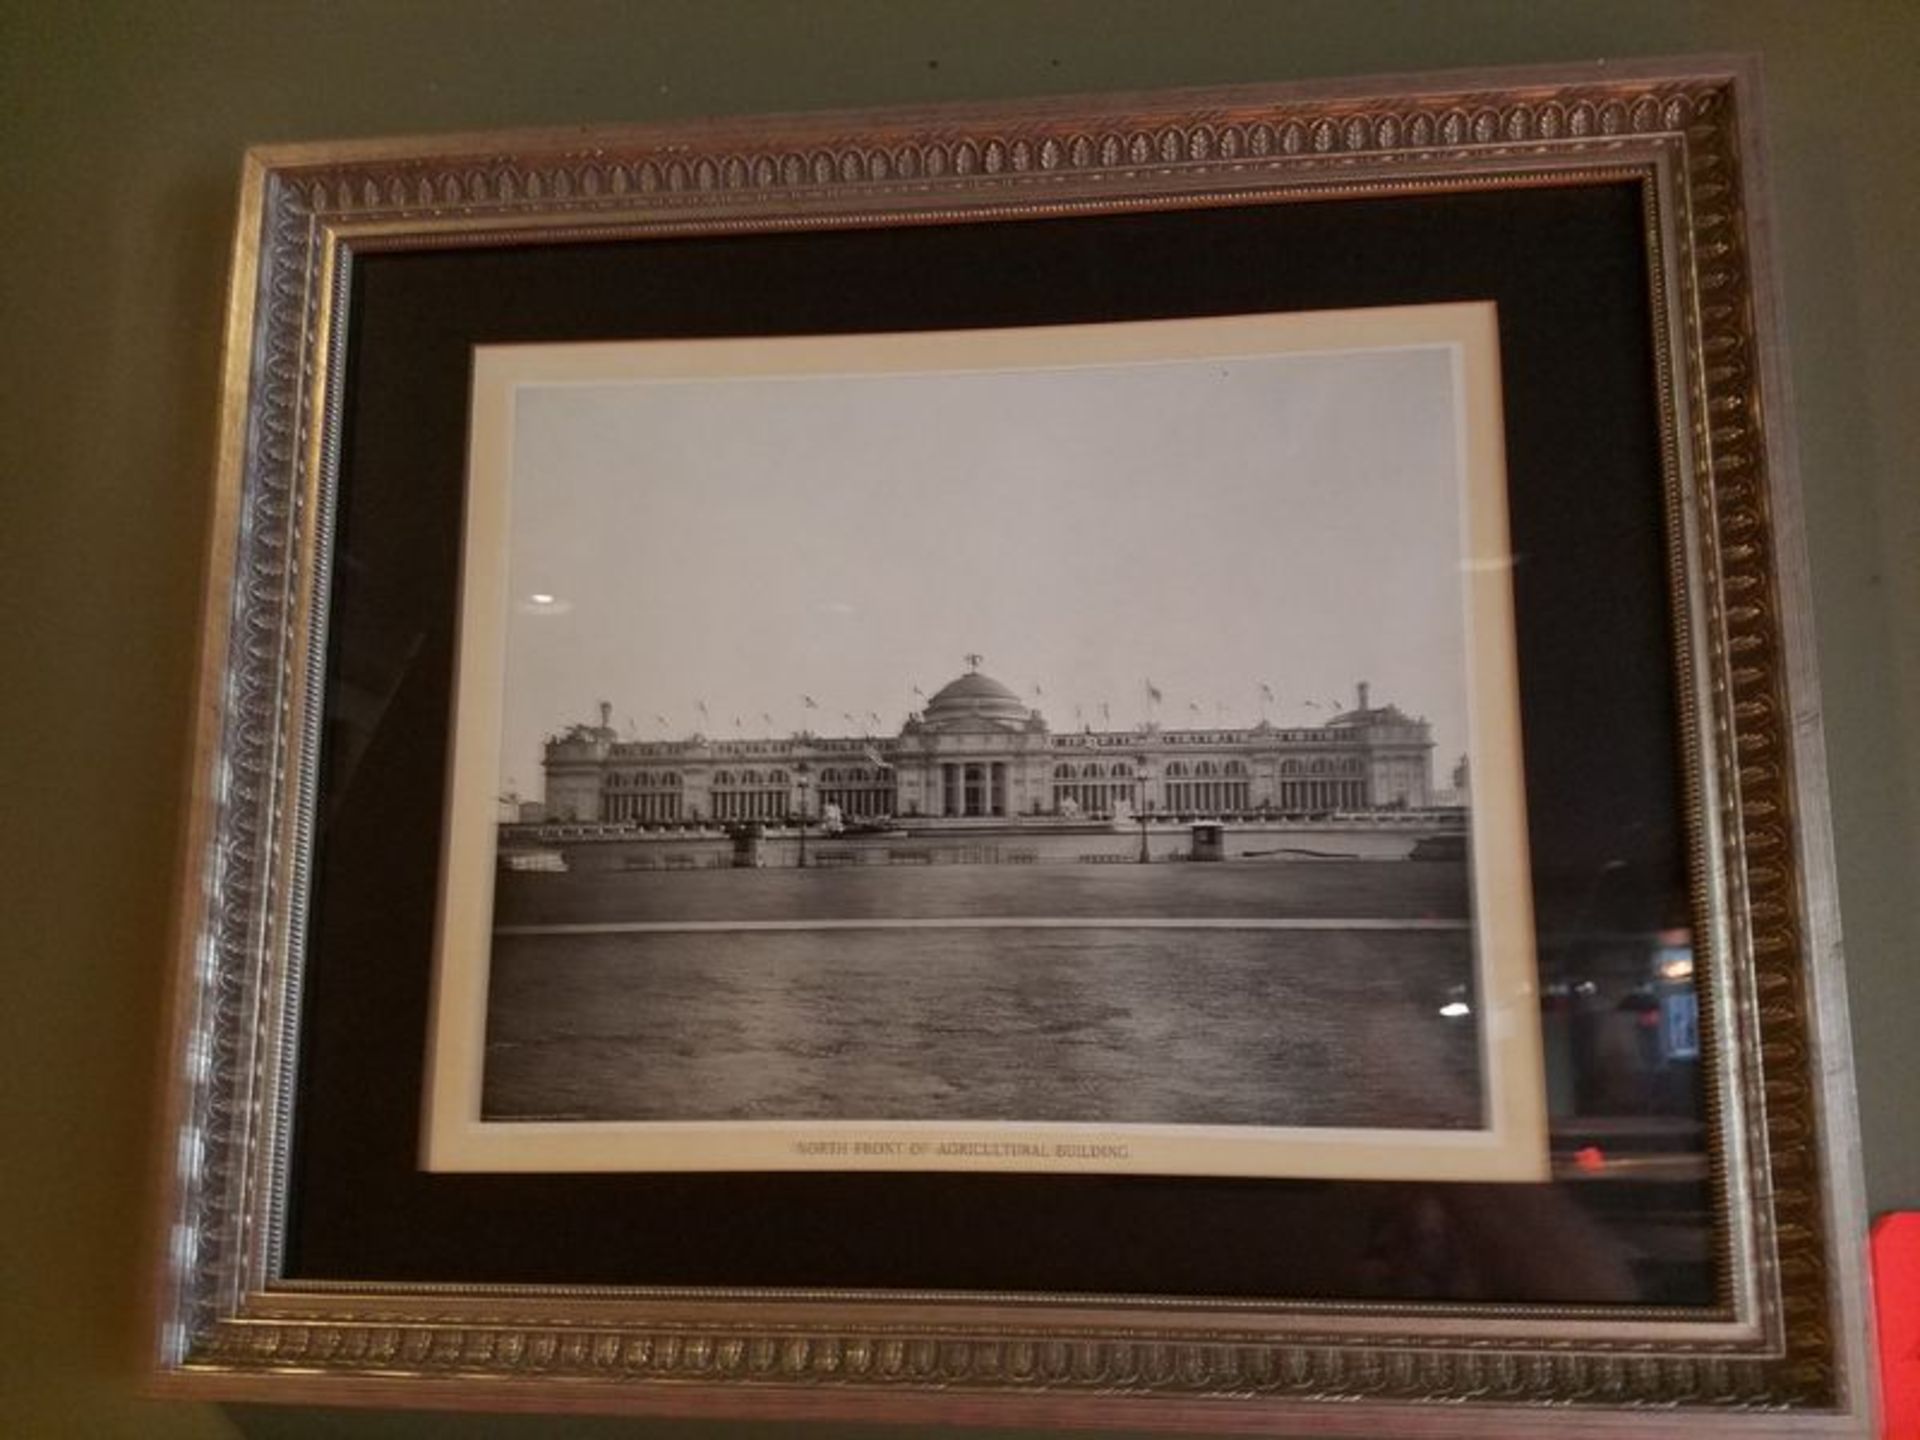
1566,267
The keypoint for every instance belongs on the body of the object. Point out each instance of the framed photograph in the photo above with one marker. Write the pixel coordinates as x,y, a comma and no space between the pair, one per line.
926,987
1137,761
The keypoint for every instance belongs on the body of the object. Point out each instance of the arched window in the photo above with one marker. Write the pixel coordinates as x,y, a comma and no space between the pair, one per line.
1177,769
1063,772
1319,767
723,777
750,777
830,777
1289,767
1121,772
1353,766
776,777
671,779
1206,767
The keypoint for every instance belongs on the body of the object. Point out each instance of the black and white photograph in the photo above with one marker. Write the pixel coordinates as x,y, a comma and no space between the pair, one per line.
1087,749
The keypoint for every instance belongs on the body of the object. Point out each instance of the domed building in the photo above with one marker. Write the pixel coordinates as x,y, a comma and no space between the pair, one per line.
976,752
977,755
977,701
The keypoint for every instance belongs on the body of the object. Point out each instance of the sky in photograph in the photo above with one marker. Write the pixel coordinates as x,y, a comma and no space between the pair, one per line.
1209,526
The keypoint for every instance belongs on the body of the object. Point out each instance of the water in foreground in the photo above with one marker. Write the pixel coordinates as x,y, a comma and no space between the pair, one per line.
1279,1016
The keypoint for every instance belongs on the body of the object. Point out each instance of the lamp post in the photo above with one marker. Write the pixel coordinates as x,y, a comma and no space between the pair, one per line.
804,776
1140,802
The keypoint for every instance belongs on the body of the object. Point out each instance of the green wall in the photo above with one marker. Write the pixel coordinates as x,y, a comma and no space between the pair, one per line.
123,129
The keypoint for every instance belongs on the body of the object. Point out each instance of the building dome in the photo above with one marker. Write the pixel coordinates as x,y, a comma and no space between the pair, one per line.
975,697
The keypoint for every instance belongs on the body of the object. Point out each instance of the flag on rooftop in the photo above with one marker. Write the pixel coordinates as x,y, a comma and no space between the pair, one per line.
874,758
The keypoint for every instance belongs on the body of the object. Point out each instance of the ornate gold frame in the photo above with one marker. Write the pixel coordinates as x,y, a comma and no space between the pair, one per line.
1784,1353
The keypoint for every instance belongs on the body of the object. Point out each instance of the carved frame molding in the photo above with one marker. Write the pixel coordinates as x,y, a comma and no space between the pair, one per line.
1783,1355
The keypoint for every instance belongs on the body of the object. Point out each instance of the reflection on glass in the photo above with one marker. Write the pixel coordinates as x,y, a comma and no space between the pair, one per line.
1621,1028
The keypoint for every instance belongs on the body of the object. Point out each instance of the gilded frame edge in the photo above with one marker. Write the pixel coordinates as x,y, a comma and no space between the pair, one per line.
303,210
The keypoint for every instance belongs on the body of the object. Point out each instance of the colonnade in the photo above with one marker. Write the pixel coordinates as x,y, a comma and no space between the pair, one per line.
1185,797
983,789
859,801
1093,797
1323,795
649,809
751,804
973,789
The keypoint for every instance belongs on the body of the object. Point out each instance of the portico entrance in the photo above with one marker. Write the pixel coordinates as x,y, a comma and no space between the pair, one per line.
974,789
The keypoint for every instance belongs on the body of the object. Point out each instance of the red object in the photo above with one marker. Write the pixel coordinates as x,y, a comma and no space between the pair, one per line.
1590,1157
1896,1293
